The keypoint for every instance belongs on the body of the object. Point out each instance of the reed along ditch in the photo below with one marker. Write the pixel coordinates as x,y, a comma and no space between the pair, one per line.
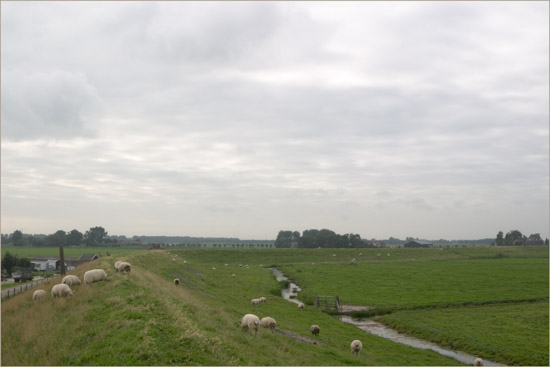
370,326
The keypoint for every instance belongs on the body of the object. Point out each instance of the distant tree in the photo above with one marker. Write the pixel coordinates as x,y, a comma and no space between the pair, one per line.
59,238
514,238
95,236
17,238
23,262
546,242
285,239
500,239
74,237
8,262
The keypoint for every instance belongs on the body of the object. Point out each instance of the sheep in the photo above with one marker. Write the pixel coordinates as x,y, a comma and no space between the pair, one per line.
314,329
263,299
61,290
71,280
478,362
185,261
360,254
95,275
268,323
123,267
250,321
38,294
233,275
353,261
333,255
356,347
116,265
255,302
176,281
213,268
300,306
173,259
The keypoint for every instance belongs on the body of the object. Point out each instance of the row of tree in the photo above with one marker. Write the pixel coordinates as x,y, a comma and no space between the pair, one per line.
313,238
10,261
95,236
515,238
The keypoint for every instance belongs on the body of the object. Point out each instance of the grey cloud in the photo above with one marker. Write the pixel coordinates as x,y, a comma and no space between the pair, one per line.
55,105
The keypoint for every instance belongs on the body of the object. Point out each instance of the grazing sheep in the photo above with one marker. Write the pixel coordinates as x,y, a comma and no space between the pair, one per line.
333,255
116,265
256,302
61,290
225,264
95,275
356,347
173,259
250,321
240,265
353,261
176,281
38,294
233,275
315,329
185,261
123,267
478,362
360,254
71,280
213,268
301,306
268,323
263,299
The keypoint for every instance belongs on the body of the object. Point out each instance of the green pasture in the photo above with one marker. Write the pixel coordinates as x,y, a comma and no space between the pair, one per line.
28,252
515,334
143,319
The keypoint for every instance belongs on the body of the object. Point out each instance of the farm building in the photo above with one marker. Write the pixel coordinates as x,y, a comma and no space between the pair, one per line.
534,240
418,244
52,263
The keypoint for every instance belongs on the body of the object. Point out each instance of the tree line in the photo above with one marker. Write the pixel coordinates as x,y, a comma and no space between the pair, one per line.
516,238
324,238
95,236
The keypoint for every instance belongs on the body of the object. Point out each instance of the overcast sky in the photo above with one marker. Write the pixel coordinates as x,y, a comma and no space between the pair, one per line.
240,119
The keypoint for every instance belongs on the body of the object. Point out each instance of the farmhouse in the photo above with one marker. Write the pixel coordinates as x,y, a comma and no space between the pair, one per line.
418,244
52,263
534,240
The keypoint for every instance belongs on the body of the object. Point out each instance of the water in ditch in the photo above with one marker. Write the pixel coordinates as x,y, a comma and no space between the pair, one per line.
378,329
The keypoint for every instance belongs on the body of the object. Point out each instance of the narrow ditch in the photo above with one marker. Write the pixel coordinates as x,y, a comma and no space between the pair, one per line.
372,327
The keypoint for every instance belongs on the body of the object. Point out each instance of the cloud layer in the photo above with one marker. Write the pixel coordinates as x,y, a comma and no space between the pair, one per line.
241,119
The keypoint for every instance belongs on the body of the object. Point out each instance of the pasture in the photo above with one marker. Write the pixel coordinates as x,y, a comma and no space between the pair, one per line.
28,251
143,319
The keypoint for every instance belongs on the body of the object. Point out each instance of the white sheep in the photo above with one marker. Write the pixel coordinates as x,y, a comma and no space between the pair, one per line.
263,299
314,329
255,302
61,290
301,306
71,280
173,259
356,347
478,362
213,268
123,267
233,275
95,275
116,265
250,321
268,323
176,281
185,261
38,294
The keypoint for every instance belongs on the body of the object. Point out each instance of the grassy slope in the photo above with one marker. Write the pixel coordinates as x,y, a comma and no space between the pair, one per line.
143,319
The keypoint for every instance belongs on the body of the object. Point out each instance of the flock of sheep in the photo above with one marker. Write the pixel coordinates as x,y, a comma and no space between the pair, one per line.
91,276
248,322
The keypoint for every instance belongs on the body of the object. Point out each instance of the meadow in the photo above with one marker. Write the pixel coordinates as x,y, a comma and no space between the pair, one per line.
28,252
143,319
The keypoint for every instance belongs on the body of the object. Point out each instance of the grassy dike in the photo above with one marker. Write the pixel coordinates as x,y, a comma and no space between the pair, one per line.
143,319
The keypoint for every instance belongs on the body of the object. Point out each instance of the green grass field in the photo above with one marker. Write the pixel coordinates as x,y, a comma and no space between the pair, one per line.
143,319
28,252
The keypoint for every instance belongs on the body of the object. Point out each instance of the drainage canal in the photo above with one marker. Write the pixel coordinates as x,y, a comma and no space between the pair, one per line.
378,329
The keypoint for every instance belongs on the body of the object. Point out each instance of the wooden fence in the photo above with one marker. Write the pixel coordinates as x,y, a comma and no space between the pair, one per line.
10,292
328,302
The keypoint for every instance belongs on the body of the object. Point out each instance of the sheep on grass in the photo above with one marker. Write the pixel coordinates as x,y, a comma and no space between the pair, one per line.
300,306
95,275
71,280
356,347
61,290
314,329
176,281
263,299
250,322
123,267
38,294
478,362
255,302
233,275
268,323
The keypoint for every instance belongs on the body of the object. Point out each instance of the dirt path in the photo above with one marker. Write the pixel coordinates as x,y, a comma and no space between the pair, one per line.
354,308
